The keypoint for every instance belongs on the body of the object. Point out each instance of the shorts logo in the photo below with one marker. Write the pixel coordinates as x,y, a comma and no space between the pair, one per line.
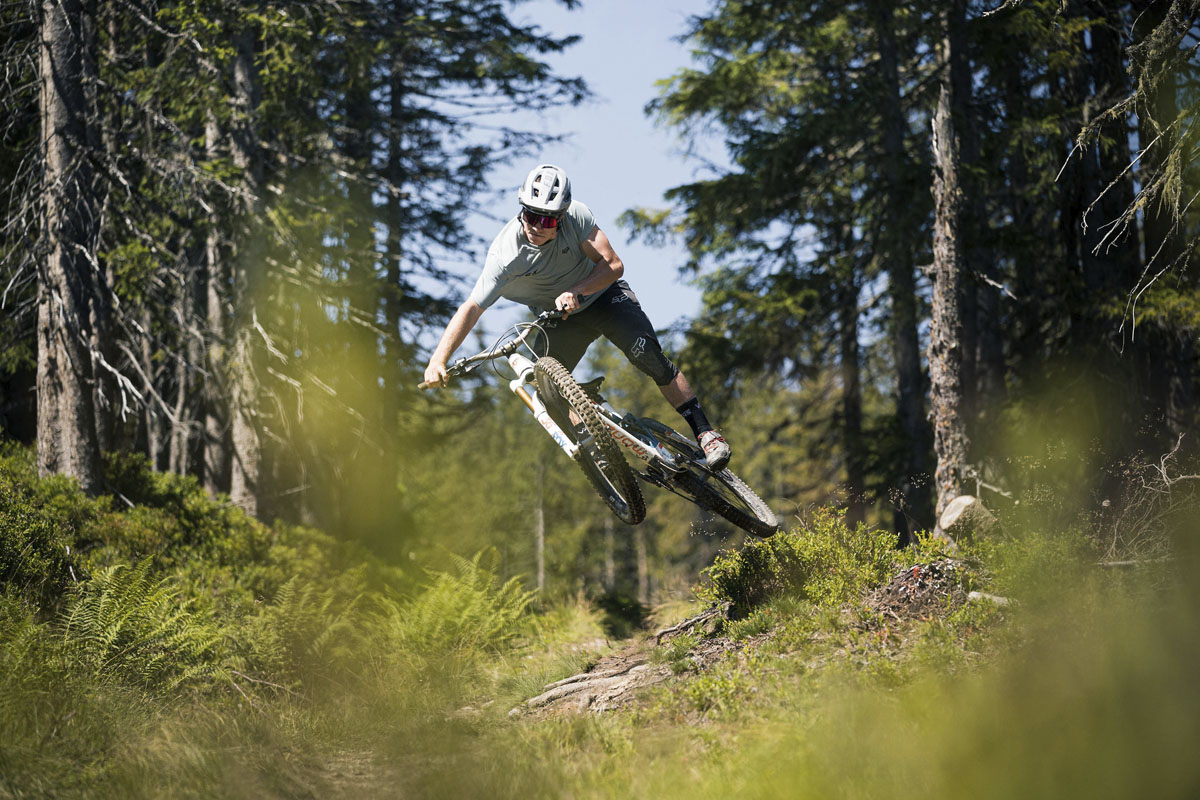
639,347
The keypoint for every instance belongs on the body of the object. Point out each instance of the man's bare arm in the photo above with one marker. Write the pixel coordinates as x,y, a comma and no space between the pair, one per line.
607,269
460,325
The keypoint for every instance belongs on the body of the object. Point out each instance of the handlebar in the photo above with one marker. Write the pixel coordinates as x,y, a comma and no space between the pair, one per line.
461,366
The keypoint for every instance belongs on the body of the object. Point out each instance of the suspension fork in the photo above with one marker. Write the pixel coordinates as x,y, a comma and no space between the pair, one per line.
523,367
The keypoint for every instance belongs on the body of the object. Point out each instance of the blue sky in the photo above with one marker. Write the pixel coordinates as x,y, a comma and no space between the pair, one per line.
616,157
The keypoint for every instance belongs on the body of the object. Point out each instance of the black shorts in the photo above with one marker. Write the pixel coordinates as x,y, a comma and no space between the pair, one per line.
617,315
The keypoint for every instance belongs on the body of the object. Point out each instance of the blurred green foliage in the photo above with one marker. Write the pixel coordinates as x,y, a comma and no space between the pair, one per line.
201,653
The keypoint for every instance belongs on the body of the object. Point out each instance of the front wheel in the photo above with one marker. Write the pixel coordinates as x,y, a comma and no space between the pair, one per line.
599,456
721,492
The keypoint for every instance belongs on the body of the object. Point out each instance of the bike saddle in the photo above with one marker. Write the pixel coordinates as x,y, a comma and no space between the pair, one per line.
592,388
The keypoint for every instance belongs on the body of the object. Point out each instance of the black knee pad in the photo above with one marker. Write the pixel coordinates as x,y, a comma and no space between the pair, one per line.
646,354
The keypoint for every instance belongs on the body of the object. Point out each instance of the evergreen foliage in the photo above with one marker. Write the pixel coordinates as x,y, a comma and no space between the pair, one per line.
38,526
274,197
825,114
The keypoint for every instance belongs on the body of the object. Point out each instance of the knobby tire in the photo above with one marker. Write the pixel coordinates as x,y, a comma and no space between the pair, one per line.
723,493
601,460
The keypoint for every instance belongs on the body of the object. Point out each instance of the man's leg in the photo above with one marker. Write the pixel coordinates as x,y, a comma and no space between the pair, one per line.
626,325
678,391
681,397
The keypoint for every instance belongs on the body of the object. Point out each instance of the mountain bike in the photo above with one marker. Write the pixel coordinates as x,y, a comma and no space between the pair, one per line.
598,438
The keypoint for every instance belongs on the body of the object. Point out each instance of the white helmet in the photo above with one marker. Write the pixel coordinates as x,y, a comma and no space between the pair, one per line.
546,190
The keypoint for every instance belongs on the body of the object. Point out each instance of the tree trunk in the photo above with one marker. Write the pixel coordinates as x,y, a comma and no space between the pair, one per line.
610,555
395,353
1170,382
72,311
1025,335
847,312
1113,266
643,565
152,418
896,252
216,397
248,267
983,352
945,333
104,138
179,459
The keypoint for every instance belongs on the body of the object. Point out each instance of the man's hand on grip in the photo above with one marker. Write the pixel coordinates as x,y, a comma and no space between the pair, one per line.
435,374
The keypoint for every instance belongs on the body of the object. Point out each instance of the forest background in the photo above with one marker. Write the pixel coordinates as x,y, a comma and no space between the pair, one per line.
228,228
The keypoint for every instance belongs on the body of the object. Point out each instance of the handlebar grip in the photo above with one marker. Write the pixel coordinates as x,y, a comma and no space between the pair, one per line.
426,385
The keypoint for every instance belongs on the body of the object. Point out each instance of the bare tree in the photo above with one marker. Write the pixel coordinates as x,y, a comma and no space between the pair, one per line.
72,299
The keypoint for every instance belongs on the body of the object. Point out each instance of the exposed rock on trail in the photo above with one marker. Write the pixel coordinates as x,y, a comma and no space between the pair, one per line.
614,680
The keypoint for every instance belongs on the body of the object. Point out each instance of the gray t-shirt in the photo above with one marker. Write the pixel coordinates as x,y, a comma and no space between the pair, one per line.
532,275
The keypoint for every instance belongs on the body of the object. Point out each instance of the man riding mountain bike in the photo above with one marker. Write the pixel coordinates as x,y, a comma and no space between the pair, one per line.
553,256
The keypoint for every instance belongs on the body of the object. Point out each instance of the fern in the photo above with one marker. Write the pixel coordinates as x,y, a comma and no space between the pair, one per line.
307,633
464,613
126,626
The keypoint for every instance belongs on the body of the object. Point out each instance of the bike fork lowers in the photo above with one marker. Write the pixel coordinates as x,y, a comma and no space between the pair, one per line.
524,369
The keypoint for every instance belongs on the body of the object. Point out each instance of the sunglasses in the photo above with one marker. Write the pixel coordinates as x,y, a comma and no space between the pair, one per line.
539,220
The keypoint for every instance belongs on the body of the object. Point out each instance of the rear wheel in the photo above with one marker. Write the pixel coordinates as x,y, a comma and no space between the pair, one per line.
599,456
721,492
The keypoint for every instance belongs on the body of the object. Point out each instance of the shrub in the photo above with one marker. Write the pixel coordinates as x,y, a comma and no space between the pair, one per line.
172,519
823,561
39,523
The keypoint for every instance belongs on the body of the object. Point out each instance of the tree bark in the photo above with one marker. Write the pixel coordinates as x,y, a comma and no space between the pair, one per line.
610,555
1170,382
1025,337
950,442
152,418
216,289
395,353
539,527
247,451
847,311
643,565
1112,266
186,409
72,311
